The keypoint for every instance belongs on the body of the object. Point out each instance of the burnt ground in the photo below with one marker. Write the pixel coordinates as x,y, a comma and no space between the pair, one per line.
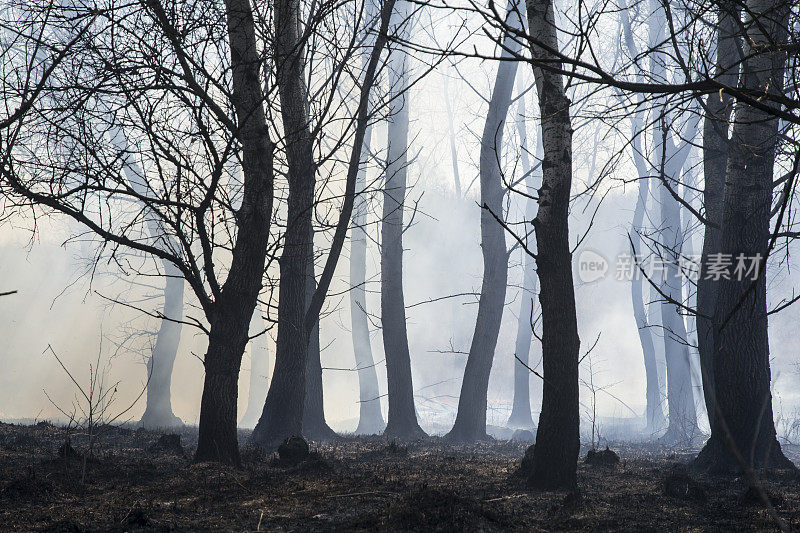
133,483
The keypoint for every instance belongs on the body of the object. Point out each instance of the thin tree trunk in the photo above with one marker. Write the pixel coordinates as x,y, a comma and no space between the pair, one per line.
555,455
654,414
680,397
402,420
158,412
715,160
667,163
452,133
520,416
743,423
259,372
229,316
285,404
370,418
470,424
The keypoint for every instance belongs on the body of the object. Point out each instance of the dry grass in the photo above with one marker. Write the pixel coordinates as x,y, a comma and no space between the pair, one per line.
353,484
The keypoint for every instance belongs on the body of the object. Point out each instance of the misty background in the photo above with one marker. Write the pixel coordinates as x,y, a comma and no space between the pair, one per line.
58,306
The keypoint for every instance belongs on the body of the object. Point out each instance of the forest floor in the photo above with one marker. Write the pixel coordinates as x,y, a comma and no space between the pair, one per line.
134,484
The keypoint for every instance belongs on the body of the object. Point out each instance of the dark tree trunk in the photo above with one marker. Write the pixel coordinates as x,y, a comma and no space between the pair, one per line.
470,422
370,418
715,160
314,425
402,420
557,437
520,416
259,371
218,439
229,316
158,413
743,425
285,404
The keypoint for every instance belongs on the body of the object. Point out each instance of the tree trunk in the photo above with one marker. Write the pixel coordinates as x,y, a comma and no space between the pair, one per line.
520,416
452,134
259,372
667,163
557,436
229,315
158,412
314,425
402,420
743,425
680,398
654,414
470,422
218,440
284,407
715,159
370,418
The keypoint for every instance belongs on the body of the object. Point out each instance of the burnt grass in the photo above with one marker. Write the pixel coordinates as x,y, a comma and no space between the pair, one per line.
142,481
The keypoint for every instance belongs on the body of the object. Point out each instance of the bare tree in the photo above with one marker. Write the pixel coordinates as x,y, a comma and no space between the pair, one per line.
521,407
79,175
470,424
283,409
718,109
654,414
744,430
299,306
370,419
557,436
402,417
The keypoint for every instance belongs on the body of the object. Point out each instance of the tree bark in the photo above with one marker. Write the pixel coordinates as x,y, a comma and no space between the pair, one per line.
470,424
402,418
285,404
715,160
229,316
218,440
743,429
557,436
